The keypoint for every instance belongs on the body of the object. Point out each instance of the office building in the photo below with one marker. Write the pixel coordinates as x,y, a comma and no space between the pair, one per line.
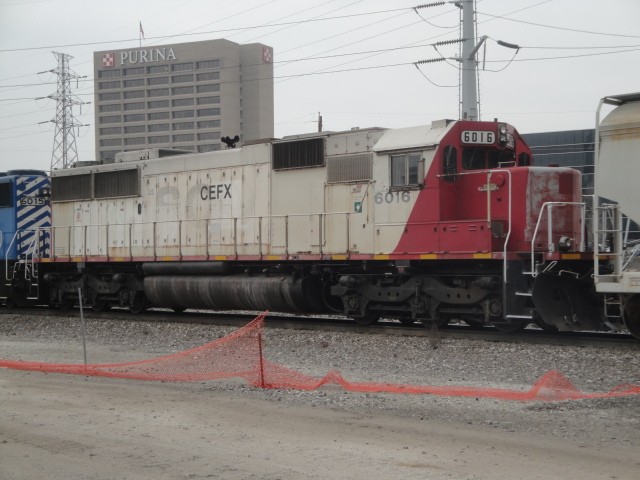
183,96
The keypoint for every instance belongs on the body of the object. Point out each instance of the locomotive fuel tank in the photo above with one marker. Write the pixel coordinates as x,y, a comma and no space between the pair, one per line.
236,292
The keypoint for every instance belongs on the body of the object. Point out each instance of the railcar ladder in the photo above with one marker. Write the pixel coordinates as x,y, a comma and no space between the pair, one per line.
609,242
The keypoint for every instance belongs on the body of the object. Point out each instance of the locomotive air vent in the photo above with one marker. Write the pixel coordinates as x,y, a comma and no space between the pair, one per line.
299,154
350,168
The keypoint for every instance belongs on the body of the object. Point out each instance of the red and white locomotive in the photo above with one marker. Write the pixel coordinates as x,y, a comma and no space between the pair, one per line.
424,223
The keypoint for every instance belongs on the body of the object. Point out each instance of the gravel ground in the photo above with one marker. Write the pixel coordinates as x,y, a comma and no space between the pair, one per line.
379,358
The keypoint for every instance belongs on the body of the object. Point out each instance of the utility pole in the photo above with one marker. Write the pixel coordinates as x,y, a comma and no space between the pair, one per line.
64,153
469,95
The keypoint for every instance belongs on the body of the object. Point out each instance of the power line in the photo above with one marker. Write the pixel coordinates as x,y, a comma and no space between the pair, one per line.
564,57
253,27
555,27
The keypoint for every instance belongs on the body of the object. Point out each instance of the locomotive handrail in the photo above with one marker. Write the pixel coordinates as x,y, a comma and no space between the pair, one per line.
549,206
30,249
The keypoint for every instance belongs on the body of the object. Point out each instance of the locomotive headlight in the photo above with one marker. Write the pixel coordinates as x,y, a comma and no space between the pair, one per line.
503,134
565,243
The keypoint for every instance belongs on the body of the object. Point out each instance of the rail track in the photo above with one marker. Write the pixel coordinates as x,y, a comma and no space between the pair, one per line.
455,330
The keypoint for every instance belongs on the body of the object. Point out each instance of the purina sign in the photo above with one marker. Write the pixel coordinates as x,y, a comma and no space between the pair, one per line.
133,57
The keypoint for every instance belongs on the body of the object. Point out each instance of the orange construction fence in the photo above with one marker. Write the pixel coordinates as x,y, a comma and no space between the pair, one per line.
240,355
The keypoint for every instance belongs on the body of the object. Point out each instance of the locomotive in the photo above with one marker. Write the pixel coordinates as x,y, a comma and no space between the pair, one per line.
421,224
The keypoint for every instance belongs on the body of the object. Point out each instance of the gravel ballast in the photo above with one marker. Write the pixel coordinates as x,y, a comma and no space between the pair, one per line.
376,358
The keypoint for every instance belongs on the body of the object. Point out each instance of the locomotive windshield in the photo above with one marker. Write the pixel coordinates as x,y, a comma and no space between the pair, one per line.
482,158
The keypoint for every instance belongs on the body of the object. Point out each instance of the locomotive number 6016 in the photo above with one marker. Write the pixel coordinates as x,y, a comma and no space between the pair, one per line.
478,137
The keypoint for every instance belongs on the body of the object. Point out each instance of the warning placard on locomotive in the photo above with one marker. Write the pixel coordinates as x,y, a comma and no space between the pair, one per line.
478,137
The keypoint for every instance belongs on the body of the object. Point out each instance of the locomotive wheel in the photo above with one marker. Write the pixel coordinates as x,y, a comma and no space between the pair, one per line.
632,315
101,306
406,321
139,303
511,327
67,305
438,322
547,327
473,322
368,319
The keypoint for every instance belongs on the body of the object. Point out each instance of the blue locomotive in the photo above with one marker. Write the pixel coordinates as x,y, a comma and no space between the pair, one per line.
25,232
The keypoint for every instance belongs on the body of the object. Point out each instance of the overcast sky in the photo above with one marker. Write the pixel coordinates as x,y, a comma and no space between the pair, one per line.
351,60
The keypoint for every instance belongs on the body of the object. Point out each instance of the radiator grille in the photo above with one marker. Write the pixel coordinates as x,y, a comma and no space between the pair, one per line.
350,168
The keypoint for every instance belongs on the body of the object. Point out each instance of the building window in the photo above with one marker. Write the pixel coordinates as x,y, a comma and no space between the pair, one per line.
404,169
134,129
183,114
159,116
212,87
158,127
182,90
111,131
208,100
208,148
111,142
209,124
111,119
137,117
207,64
183,102
182,78
134,106
134,94
158,104
113,107
208,112
185,137
158,69
136,82
181,67
157,81
106,97
127,72
183,126
115,72
135,141
202,77
158,92
109,85
159,139
209,136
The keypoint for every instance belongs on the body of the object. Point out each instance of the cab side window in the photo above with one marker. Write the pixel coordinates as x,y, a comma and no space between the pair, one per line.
449,163
404,169
5,195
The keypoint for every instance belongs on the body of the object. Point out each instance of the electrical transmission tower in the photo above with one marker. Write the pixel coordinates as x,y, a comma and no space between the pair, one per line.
65,153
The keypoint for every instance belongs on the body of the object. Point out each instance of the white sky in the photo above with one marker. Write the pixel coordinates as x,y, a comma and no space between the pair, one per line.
535,92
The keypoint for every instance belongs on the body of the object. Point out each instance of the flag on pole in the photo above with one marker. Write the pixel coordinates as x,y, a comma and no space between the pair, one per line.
141,31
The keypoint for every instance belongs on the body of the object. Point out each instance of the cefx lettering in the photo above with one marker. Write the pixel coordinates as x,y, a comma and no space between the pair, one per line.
216,192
